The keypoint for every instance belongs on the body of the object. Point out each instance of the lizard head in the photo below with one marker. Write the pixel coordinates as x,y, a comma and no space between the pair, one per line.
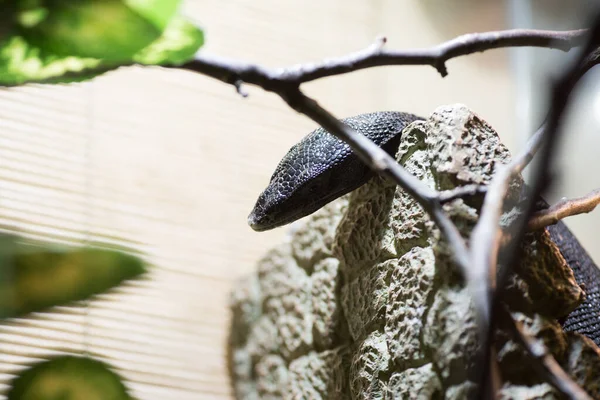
321,168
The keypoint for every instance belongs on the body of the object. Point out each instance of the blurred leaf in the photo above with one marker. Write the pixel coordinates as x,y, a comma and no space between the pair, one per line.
20,62
178,44
158,12
7,18
105,29
63,41
68,378
34,278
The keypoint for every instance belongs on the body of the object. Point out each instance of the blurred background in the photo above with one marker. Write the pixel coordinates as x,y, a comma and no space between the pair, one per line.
170,163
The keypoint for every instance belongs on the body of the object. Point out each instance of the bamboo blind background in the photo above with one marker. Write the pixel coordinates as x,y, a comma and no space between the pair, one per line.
170,163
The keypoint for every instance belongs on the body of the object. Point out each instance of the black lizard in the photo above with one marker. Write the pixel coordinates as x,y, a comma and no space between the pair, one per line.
321,168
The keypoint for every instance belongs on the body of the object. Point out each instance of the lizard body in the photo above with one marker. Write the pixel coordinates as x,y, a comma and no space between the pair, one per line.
321,168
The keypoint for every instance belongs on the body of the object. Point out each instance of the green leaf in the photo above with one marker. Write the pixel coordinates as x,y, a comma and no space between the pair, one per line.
36,277
106,29
7,18
68,378
178,44
22,59
20,63
159,12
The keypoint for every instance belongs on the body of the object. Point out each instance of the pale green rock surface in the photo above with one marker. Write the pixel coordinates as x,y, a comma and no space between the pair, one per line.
363,302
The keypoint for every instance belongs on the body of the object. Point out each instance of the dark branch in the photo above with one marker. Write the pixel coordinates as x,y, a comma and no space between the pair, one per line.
437,56
230,71
285,82
447,196
386,165
375,56
485,237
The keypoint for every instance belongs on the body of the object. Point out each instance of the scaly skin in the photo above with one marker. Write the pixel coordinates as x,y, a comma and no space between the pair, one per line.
321,168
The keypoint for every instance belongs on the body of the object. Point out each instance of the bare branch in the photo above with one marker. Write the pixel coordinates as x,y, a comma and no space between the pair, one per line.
447,196
386,165
543,362
485,239
371,154
437,56
230,71
564,209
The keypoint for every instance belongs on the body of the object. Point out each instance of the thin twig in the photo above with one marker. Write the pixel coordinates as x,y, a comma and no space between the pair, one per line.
386,165
485,240
485,236
376,55
447,196
563,209
543,362
437,56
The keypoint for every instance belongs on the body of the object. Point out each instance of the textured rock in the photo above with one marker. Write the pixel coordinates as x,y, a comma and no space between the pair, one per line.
409,221
242,369
271,377
329,322
287,300
515,362
364,236
277,272
312,238
263,338
363,301
451,335
462,147
414,383
411,286
370,362
319,376
246,309
551,281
